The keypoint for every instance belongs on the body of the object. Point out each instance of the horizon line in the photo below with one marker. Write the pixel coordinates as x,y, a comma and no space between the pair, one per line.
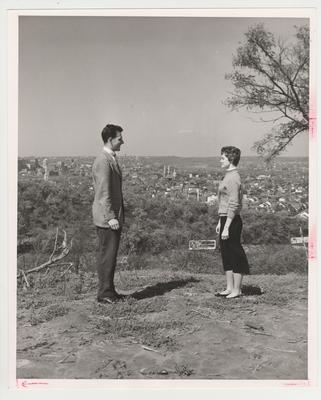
163,156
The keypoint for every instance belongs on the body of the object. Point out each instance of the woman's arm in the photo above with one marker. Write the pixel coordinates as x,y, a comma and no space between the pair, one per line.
228,222
233,190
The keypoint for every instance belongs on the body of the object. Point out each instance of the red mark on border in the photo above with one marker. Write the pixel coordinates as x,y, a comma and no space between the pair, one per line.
26,384
313,121
313,244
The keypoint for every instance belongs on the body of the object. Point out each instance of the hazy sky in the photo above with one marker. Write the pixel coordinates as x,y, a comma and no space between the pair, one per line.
162,79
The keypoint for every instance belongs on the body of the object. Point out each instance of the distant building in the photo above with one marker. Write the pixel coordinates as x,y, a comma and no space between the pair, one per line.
177,188
303,215
39,172
265,206
212,199
21,165
193,192
45,168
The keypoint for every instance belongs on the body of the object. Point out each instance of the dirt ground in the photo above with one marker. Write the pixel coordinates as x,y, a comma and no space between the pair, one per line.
173,327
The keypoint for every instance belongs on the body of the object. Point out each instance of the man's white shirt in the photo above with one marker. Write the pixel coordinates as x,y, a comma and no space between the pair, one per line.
110,151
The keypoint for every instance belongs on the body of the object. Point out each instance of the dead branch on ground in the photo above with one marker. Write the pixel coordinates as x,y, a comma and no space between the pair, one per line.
53,259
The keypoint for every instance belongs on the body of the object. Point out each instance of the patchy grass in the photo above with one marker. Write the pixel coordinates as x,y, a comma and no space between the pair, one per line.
183,370
47,313
173,326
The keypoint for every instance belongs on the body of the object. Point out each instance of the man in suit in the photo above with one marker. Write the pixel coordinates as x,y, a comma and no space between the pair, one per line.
108,211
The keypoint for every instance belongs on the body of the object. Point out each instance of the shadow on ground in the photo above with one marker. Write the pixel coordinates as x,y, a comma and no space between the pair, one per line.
161,288
251,290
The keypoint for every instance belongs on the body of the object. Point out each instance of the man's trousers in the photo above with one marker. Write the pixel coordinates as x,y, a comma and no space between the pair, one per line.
108,244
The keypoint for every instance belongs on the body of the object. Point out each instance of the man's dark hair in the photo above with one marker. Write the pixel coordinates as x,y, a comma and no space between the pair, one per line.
110,131
232,153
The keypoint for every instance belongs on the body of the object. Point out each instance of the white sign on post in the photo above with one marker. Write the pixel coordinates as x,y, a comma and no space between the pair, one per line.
299,240
202,245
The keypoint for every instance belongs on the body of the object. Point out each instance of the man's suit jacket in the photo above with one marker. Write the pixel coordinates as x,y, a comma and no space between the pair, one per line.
108,202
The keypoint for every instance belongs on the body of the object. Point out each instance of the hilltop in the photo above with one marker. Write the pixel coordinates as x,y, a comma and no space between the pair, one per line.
174,327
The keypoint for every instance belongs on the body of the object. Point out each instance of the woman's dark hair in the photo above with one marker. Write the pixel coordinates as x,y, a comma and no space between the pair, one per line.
110,131
232,153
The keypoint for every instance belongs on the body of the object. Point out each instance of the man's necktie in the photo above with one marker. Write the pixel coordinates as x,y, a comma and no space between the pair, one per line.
116,160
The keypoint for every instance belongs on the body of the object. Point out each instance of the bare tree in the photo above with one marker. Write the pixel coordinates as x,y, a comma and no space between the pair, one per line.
270,76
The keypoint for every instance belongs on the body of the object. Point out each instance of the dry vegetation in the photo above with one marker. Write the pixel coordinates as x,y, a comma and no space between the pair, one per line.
171,327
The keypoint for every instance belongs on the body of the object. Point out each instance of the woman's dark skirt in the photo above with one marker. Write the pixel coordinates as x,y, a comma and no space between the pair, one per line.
233,255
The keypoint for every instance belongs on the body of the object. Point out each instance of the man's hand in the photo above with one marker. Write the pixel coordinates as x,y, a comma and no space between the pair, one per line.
114,224
225,234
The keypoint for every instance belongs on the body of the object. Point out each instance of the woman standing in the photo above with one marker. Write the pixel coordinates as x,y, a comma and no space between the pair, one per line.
229,226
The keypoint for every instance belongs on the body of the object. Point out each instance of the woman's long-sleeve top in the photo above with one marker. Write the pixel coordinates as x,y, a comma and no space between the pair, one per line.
230,194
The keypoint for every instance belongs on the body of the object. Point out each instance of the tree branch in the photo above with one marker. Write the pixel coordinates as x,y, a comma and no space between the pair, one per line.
283,146
287,77
52,259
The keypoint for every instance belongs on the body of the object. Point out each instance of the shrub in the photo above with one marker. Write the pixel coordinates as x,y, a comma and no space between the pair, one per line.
277,260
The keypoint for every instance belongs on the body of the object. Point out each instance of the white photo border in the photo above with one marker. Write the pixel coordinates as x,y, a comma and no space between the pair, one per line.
9,161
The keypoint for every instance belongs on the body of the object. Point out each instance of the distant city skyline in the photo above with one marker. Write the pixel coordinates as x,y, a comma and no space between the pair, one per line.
121,154
162,79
